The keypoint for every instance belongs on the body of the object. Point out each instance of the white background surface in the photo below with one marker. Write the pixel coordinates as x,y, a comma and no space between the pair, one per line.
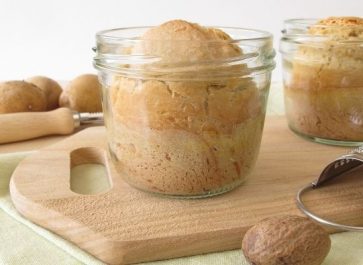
54,38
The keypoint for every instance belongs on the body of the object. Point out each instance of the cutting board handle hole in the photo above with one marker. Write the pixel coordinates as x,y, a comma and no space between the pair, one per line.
88,171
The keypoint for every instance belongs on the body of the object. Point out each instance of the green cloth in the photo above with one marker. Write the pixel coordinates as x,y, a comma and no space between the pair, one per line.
24,243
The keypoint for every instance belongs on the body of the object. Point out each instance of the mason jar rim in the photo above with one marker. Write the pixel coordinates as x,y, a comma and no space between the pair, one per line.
258,54
295,34
313,21
295,29
102,34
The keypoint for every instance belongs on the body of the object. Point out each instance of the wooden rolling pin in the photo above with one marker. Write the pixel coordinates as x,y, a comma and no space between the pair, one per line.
28,125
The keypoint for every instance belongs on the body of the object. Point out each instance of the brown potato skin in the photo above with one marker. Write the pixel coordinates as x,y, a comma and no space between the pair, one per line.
83,94
286,239
51,89
21,96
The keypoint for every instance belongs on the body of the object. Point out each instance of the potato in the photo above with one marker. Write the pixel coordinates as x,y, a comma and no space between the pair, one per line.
51,89
21,96
83,94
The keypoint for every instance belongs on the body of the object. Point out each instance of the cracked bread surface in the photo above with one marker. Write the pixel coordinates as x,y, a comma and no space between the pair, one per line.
339,27
181,41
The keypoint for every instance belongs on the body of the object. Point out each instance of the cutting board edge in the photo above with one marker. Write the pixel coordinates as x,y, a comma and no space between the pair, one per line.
127,250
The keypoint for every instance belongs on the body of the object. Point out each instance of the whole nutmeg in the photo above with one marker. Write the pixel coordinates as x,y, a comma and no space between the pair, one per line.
21,96
51,89
290,240
83,94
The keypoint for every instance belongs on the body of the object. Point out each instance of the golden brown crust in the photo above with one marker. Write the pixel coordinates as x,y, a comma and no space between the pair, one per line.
21,96
83,94
51,89
341,21
339,27
176,30
328,55
180,41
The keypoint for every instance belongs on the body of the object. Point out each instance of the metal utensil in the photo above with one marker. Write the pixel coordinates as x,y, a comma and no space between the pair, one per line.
335,169
27,125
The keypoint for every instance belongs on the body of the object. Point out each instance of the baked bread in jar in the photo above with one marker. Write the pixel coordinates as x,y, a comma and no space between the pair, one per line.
192,131
324,96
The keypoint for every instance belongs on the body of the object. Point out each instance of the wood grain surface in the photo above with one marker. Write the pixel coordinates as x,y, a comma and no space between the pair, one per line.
124,225
35,144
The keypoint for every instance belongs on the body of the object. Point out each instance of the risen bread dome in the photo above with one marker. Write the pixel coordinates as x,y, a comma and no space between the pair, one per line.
194,105
329,65
181,41
339,27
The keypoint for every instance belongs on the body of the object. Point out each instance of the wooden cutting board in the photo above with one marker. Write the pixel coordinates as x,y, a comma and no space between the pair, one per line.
124,225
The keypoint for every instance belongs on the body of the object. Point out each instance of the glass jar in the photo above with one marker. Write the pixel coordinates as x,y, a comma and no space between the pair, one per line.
189,126
323,80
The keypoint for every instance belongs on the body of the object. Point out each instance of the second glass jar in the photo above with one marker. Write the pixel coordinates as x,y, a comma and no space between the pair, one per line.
323,81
